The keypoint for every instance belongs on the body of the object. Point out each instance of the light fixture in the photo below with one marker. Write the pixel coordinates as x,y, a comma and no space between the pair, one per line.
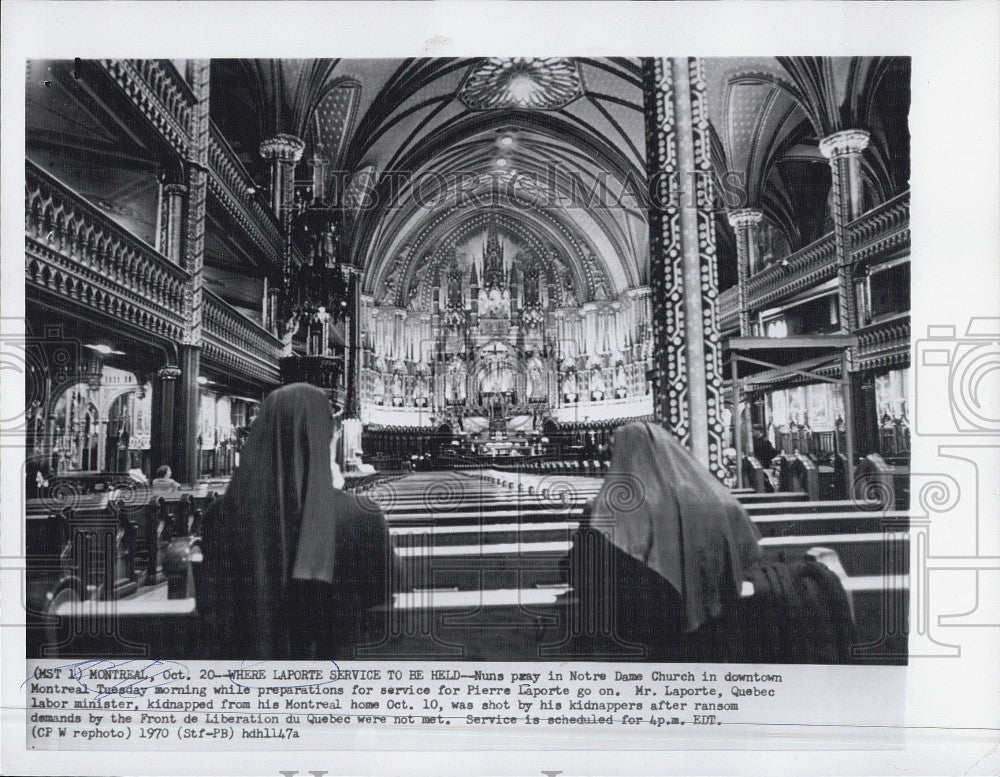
506,141
103,349
522,89
203,381
501,162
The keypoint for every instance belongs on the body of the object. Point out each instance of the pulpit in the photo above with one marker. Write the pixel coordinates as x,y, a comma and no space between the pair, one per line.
327,372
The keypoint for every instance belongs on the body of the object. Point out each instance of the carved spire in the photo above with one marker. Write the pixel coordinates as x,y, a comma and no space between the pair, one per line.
494,274
455,296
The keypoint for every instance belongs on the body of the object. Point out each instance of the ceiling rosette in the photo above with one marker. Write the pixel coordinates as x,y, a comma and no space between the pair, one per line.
534,83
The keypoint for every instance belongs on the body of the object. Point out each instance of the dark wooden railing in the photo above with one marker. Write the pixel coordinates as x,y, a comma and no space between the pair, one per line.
75,251
238,343
231,184
159,92
880,232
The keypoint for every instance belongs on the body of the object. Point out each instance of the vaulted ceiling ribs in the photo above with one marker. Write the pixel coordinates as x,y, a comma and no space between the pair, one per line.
378,120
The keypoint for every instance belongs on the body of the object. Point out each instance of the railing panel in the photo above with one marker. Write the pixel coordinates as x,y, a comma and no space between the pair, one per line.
162,95
235,342
884,344
75,251
807,267
881,231
231,184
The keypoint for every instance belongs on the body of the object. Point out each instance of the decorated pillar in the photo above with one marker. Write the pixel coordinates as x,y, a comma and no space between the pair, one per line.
187,402
843,149
172,221
686,362
283,152
746,222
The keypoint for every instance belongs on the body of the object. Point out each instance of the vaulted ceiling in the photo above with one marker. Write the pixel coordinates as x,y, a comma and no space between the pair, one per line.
437,142
554,148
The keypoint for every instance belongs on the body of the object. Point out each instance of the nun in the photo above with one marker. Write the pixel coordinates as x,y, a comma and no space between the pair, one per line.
658,563
292,564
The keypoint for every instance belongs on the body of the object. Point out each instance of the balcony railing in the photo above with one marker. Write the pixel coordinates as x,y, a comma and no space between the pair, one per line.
237,343
807,267
882,230
76,252
884,344
159,92
879,232
230,184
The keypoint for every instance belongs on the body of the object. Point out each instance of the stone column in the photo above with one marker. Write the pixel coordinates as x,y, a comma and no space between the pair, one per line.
162,401
172,221
284,152
746,222
687,361
188,398
843,149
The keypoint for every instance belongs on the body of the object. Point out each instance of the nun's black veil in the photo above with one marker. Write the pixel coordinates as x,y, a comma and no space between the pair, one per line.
274,525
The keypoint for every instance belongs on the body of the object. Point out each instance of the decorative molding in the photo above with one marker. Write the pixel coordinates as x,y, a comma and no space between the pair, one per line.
744,217
169,372
844,143
284,148
532,83
160,93
230,184
78,254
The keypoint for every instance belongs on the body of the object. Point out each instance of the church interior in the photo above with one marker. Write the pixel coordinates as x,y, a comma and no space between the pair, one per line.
489,265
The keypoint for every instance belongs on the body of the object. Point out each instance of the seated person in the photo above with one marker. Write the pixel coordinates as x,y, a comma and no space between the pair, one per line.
662,556
763,450
292,565
163,481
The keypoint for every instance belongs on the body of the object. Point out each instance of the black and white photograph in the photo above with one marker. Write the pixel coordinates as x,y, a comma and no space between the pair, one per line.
499,359
369,387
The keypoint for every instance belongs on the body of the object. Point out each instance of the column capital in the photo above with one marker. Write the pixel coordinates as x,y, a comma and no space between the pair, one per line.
175,188
169,372
284,148
852,141
744,217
